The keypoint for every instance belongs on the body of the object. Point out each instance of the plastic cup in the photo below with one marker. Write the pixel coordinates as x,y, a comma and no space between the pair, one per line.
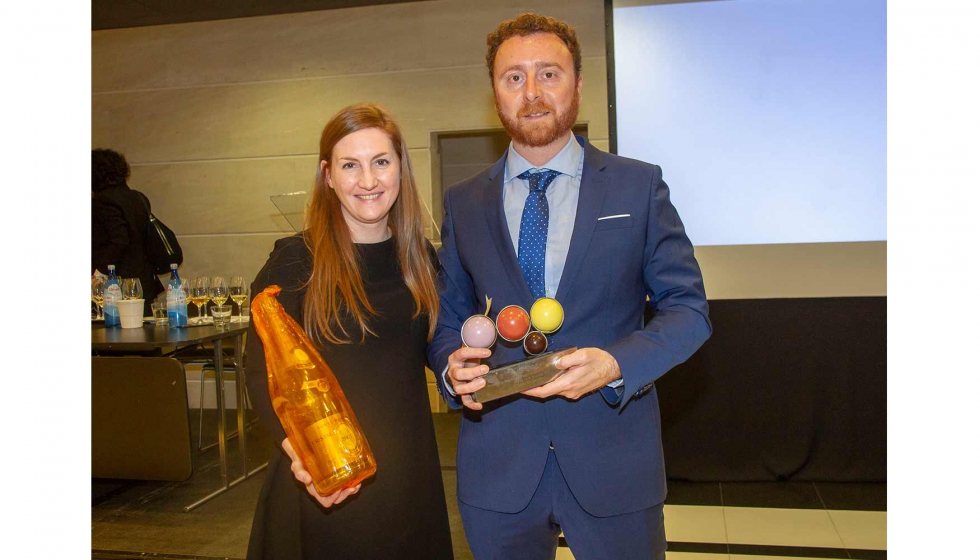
159,313
130,313
221,314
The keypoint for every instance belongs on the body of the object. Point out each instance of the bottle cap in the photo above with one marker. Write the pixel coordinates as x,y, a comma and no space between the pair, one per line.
112,267
173,266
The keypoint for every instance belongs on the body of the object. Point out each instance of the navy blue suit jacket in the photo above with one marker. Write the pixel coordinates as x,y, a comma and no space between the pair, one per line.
608,448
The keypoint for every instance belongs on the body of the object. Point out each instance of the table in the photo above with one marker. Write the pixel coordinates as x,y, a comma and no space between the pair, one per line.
151,337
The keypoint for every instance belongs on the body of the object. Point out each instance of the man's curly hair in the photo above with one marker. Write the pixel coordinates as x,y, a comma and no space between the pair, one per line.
528,24
109,168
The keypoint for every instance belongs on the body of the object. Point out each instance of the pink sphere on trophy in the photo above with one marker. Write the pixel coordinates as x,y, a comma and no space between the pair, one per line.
479,332
513,323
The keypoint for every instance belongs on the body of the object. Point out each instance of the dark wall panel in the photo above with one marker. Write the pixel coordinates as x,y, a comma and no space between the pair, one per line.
784,389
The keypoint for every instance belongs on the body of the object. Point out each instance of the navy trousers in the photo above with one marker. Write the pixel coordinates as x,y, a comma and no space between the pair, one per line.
532,534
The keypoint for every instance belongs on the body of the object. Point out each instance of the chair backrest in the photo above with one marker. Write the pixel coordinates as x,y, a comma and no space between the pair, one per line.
140,424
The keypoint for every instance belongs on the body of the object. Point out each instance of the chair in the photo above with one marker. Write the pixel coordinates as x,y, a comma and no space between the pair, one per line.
140,428
205,357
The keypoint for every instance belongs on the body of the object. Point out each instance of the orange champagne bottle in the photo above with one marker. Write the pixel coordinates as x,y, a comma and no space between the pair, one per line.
309,401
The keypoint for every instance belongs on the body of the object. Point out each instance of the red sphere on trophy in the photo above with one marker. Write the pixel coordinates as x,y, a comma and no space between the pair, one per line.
513,323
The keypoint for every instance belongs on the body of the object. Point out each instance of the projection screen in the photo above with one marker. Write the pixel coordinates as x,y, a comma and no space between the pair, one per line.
768,118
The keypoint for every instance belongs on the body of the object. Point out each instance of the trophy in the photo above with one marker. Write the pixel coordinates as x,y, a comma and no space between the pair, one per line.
514,324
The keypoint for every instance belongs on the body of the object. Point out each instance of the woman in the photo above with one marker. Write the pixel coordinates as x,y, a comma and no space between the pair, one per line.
119,220
361,281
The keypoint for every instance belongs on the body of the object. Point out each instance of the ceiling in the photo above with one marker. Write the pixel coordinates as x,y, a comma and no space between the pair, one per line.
115,14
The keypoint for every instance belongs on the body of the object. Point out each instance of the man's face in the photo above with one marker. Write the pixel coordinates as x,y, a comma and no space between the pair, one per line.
535,89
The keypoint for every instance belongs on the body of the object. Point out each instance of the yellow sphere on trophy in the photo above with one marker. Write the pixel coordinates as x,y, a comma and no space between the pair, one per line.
547,315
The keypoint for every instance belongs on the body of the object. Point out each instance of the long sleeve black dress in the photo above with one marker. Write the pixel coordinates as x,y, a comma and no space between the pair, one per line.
400,512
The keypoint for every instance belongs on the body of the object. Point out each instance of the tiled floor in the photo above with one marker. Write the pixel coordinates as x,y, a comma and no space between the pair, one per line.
704,521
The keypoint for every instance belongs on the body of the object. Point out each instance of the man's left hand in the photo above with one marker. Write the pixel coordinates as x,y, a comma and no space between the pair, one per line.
586,370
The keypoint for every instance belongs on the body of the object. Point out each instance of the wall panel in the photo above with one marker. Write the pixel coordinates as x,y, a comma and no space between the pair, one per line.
285,118
227,255
375,39
223,196
232,196
798,270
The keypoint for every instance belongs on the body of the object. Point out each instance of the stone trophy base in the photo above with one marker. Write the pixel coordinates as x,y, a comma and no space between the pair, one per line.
519,376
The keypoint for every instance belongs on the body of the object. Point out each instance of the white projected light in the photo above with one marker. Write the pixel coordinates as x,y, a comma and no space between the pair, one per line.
767,116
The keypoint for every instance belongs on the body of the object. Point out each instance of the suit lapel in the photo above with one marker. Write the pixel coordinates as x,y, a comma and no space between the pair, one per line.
591,193
493,202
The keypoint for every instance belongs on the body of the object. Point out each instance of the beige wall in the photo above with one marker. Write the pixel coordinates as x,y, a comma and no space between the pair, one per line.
215,117
798,270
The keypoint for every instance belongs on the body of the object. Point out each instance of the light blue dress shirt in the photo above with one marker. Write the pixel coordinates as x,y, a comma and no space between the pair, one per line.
562,196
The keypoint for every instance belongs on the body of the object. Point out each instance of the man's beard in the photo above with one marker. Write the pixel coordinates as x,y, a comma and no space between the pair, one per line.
542,133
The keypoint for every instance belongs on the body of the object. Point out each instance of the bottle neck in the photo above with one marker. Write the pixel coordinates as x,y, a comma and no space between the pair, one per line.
281,338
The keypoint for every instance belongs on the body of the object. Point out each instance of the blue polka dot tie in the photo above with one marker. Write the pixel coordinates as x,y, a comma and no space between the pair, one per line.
533,238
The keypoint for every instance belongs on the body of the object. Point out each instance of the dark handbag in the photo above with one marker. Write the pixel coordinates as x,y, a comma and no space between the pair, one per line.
161,244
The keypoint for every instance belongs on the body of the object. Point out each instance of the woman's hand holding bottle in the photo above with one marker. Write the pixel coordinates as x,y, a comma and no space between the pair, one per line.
301,474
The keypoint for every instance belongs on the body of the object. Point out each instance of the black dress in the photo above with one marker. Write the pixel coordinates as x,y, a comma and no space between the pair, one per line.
400,512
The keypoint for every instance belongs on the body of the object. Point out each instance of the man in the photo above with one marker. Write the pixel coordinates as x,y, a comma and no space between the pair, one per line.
581,454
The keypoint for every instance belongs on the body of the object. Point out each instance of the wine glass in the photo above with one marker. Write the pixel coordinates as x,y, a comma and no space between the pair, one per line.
238,293
218,290
132,289
199,295
98,291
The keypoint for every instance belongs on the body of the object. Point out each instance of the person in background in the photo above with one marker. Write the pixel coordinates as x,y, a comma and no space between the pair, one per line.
557,217
119,222
361,280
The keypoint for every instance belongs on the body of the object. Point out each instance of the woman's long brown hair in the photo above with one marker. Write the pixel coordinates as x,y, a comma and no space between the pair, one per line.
335,288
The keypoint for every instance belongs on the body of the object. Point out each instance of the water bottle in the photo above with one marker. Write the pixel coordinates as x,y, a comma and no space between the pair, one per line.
113,293
176,300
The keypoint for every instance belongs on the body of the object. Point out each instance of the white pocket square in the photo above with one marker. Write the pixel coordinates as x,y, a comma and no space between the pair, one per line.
613,217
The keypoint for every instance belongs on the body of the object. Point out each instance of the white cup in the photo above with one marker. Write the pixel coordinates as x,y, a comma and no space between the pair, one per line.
130,313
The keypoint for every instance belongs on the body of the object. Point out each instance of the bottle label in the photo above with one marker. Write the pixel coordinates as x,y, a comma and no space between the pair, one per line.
320,384
176,306
176,295
112,295
333,438
110,307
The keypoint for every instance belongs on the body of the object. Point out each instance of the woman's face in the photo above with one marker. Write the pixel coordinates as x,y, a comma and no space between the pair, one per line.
364,172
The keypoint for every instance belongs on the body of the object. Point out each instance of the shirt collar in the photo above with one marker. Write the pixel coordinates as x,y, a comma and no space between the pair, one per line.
566,161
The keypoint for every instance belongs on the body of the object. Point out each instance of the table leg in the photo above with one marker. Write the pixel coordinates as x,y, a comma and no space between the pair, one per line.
240,411
219,381
241,399
240,403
